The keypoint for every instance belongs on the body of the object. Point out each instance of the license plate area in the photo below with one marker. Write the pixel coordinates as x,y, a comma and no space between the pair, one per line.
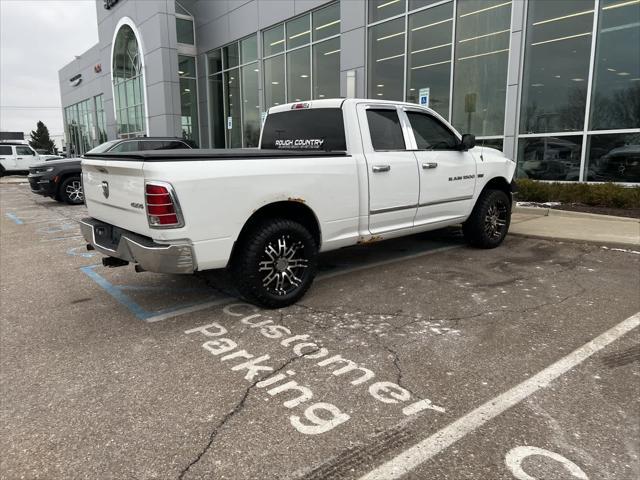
107,236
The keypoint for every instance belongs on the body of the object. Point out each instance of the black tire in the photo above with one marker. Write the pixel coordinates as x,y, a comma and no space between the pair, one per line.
71,191
269,279
2,171
489,221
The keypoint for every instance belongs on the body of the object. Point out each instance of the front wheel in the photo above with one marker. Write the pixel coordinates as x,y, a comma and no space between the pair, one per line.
489,221
71,191
276,263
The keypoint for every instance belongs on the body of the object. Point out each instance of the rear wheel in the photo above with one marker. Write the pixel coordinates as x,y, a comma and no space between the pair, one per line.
276,263
71,191
489,221
2,171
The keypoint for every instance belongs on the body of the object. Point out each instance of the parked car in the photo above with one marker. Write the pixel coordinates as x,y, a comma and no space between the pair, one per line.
328,174
16,157
46,158
62,179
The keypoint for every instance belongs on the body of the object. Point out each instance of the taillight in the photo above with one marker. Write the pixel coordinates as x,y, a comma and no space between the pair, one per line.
163,210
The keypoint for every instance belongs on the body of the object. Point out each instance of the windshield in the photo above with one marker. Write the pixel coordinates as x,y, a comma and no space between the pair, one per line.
103,147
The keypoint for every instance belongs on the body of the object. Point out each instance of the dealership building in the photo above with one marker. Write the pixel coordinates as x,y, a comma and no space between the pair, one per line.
553,83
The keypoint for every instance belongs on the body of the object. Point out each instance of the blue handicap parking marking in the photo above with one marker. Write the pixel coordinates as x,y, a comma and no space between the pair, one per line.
14,217
118,292
80,252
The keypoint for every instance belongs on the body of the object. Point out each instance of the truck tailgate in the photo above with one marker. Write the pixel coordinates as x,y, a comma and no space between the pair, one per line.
114,193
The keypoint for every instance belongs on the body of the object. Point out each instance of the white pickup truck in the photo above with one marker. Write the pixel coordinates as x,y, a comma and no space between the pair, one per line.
328,174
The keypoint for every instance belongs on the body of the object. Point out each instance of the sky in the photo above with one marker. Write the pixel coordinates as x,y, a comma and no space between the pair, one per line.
37,38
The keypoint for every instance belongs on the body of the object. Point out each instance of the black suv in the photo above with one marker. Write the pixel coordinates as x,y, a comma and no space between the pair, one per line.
62,179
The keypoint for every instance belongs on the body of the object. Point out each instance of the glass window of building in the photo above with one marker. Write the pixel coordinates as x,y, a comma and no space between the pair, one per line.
550,157
386,60
307,65
273,40
299,74
616,83
249,49
101,121
381,9
234,94
184,30
429,56
613,158
326,69
128,84
274,81
556,66
82,130
298,32
415,4
481,63
188,98
326,22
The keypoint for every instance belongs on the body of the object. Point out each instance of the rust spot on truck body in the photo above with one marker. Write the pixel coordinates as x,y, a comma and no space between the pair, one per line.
297,200
369,240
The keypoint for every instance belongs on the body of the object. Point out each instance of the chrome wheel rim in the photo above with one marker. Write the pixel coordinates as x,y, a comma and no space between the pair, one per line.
74,191
283,265
495,221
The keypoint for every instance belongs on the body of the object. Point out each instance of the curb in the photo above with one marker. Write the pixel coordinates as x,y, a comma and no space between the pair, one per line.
546,212
596,243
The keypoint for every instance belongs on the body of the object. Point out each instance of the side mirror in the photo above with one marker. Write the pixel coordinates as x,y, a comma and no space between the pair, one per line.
468,142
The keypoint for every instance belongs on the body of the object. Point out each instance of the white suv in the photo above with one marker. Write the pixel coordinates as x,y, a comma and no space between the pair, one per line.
17,157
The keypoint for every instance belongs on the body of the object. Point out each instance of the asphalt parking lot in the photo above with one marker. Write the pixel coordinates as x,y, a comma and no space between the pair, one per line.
417,358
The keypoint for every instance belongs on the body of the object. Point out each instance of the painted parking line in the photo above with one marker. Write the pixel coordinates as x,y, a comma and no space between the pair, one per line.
436,443
14,217
149,316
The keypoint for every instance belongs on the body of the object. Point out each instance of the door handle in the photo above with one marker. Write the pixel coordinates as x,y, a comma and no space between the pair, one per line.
381,168
429,165
18,158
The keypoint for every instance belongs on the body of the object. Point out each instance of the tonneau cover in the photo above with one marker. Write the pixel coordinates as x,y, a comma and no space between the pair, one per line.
211,154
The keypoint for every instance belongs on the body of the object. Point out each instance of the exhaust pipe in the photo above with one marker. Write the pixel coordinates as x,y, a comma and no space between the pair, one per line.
139,269
90,247
113,262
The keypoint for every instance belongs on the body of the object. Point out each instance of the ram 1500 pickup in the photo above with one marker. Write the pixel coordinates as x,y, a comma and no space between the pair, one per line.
328,174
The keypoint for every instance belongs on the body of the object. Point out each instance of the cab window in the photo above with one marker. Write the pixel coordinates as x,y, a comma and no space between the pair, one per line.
385,129
430,133
24,151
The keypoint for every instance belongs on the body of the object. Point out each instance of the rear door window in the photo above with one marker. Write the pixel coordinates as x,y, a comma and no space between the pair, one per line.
305,129
5,150
385,129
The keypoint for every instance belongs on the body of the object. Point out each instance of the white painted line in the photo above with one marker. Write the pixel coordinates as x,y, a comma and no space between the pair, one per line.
436,443
191,309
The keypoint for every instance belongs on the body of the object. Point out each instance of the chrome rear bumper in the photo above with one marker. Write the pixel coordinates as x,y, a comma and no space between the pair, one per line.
149,255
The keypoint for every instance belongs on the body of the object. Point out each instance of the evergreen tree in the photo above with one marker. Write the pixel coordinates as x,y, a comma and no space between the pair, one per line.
40,139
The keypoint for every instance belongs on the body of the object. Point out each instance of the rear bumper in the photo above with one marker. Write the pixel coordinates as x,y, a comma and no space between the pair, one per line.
153,257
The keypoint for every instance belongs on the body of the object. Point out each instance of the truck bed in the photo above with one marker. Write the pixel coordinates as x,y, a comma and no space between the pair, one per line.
212,154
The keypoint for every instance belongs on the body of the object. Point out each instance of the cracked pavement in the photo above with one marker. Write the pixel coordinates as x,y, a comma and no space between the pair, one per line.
89,390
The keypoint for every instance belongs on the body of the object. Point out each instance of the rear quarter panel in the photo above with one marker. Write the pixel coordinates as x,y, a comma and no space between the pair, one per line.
217,197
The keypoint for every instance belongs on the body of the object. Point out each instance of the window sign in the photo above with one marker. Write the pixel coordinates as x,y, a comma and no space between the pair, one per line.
424,96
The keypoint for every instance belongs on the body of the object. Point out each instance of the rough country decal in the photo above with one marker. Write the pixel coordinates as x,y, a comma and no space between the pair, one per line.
310,143
462,177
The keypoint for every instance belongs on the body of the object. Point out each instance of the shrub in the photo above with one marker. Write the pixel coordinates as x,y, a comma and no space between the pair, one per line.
601,195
